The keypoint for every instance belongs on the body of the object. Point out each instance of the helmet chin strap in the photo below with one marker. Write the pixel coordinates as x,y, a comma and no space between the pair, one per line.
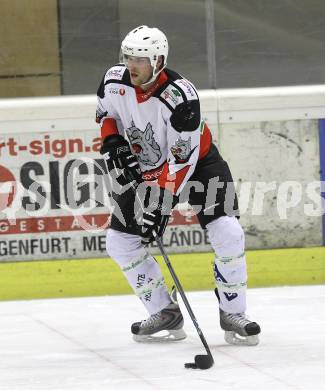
153,77
151,80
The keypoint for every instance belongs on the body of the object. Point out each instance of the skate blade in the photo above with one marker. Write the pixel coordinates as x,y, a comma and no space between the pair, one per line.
161,337
235,339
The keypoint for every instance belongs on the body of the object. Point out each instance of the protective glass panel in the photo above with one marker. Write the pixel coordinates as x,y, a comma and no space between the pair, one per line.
63,47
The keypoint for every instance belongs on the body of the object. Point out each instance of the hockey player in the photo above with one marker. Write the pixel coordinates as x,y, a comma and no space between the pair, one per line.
153,132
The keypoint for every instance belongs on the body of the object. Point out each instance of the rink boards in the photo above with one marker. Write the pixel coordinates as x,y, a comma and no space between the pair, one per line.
53,183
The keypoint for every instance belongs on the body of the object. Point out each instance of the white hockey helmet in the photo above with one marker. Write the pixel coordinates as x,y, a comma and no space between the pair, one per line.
149,42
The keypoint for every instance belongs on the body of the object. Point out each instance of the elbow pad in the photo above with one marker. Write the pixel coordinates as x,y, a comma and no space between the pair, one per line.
186,116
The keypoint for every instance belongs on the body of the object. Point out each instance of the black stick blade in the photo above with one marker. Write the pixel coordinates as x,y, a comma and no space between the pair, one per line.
203,362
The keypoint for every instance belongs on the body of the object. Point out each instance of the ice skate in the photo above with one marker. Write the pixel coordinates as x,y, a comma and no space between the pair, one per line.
166,325
238,329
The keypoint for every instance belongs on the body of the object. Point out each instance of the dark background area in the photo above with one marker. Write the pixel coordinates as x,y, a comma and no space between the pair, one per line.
216,44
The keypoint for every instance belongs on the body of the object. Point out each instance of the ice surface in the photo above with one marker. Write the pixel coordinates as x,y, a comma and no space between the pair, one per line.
85,344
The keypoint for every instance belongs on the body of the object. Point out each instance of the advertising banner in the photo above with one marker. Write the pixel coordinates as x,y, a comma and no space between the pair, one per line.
54,199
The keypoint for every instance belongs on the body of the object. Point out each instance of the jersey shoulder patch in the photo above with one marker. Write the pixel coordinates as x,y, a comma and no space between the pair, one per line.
187,88
115,73
171,96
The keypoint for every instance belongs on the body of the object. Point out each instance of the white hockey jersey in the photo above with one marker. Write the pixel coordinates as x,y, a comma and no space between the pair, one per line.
163,124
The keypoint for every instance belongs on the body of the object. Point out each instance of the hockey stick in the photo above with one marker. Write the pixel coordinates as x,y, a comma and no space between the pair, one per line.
200,361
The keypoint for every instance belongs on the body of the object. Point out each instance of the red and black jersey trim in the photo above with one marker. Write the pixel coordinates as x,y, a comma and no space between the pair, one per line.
172,75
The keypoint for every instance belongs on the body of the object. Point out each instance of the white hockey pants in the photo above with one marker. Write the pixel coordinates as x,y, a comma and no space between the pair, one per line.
140,268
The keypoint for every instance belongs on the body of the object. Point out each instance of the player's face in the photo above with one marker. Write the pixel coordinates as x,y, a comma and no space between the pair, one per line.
140,69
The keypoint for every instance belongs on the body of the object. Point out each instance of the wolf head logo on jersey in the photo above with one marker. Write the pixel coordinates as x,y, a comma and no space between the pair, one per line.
181,151
144,145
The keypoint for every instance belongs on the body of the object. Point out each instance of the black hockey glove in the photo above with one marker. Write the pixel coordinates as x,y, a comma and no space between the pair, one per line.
117,153
154,212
